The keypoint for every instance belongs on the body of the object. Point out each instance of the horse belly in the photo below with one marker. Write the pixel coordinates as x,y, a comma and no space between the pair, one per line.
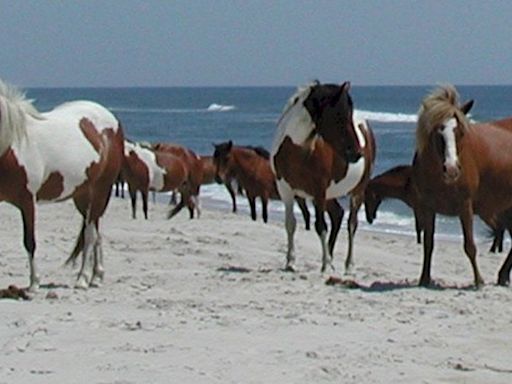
354,175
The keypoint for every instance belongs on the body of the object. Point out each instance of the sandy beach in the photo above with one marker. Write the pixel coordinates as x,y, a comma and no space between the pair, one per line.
206,301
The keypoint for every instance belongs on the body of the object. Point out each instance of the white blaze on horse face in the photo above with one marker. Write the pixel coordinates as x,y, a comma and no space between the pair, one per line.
451,159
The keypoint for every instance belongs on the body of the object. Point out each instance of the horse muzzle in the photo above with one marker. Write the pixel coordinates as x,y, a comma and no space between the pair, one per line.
353,156
451,172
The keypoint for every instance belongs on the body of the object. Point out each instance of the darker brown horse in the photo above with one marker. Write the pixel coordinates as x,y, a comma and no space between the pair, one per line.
250,166
209,173
322,151
190,194
461,169
395,183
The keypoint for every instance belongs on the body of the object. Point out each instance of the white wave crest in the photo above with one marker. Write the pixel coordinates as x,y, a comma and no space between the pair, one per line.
388,117
220,108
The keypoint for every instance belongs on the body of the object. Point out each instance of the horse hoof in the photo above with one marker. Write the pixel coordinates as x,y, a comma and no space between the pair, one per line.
81,283
503,281
290,268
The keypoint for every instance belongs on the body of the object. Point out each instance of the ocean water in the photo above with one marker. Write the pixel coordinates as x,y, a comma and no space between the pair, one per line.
198,117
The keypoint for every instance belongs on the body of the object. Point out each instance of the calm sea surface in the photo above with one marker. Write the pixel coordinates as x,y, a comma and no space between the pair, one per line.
198,117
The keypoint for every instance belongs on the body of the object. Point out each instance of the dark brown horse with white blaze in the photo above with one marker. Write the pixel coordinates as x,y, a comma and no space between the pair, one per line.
461,169
250,167
322,152
73,151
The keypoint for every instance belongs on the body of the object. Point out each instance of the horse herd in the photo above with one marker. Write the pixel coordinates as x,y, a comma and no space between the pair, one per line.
321,151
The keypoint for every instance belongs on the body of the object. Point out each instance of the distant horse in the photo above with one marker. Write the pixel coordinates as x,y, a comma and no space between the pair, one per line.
73,151
321,151
209,170
250,166
147,170
395,183
189,196
461,169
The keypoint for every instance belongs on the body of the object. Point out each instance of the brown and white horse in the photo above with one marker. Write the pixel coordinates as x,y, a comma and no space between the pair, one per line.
461,169
190,195
395,183
250,166
73,151
147,170
321,151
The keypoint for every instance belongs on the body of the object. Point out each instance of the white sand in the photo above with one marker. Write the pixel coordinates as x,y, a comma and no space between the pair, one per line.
206,301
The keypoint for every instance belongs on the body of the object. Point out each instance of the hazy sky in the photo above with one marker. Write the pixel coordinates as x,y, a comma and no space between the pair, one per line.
245,42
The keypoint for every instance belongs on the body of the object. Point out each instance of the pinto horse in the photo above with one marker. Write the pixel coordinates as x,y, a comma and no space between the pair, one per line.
461,169
147,170
190,194
322,151
73,151
250,166
395,183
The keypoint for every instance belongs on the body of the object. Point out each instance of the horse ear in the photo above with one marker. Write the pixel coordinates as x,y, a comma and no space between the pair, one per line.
230,145
466,107
345,87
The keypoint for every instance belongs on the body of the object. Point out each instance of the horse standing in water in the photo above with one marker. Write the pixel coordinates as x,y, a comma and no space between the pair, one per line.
250,166
321,151
395,183
461,169
145,170
74,151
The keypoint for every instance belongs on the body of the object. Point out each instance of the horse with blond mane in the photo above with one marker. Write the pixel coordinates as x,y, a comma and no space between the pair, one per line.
74,151
461,169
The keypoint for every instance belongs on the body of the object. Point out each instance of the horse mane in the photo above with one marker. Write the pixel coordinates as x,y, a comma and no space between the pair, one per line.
14,108
301,93
436,108
260,151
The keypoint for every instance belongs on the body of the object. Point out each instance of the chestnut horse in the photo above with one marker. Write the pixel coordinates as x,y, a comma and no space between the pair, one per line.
145,169
250,166
395,183
209,173
189,195
461,169
321,151
73,151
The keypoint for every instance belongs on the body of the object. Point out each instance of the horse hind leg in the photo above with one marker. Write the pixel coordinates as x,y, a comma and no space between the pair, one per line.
305,212
90,238
504,272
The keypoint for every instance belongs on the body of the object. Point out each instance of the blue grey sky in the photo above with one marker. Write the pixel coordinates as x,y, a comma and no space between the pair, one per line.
254,42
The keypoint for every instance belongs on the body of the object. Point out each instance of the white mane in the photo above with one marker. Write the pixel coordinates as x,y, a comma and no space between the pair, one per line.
295,120
14,108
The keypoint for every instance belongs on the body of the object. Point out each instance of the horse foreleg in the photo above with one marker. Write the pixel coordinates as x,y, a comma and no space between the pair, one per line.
264,208
305,211
428,246
231,191
133,199
290,223
321,230
145,203
335,211
418,224
27,212
504,273
466,220
355,204
252,205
